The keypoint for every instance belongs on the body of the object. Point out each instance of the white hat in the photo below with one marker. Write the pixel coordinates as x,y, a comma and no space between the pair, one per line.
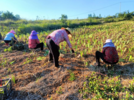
108,40
68,29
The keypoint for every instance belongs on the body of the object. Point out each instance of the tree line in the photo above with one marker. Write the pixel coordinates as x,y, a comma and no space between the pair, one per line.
8,15
24,26
126,15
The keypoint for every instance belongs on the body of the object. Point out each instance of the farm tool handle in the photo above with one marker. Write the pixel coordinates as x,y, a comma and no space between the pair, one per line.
6,83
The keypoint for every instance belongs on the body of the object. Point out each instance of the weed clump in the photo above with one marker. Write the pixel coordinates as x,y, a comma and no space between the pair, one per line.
106,88
18,46
72,76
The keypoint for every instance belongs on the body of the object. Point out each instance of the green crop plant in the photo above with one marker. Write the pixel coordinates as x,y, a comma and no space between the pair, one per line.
127,96
86,63
5,50
123,89
46,52
125,49
3,62
9,70
13,79
72,76
131,86
130,58
103,87
51,98
121,52
8,49
85,51
37,79
130,49
1,92
28,61
81,53
59,91
40,58
11,63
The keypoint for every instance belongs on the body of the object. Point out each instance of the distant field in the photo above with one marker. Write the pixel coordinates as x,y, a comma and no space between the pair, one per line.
89,39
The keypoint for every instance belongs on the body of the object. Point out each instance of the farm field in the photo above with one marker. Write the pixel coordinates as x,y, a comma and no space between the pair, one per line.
34,77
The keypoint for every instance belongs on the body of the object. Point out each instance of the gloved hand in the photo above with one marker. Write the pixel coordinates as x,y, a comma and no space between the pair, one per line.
72,51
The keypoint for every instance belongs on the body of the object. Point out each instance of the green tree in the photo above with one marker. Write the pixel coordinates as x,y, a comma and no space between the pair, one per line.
89,15
17,17
94,15
7,15
100,16
132,13
125,15
63,18
1,13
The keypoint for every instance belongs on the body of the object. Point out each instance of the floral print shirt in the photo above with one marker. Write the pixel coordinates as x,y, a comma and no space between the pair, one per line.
58,36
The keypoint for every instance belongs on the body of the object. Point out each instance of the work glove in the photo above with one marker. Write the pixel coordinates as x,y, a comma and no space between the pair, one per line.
72,51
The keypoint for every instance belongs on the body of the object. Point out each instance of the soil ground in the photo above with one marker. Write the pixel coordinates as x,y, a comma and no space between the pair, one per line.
40,80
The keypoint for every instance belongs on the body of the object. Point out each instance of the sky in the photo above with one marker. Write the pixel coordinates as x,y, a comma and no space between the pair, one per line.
53,9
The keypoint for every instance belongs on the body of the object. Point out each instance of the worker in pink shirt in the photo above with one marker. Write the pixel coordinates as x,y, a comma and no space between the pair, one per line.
33,42
53,41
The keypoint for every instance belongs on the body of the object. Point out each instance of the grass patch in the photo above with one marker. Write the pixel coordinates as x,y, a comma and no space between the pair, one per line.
13,79
106,88
72,76
59,91
28,61
40,58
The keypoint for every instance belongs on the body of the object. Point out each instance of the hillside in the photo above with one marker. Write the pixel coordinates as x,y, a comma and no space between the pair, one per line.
36,78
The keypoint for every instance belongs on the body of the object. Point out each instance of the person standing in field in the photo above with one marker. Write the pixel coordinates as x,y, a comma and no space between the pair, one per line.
33,42
109,53
10,36
53,41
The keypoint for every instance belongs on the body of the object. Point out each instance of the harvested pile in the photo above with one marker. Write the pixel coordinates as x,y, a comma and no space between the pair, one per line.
18,46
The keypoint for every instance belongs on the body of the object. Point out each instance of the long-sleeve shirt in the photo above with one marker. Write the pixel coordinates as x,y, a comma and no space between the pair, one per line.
110,54
9,36
32,43
58,36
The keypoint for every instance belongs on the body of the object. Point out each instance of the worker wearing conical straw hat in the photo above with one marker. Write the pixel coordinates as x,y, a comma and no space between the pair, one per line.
53,41
109,53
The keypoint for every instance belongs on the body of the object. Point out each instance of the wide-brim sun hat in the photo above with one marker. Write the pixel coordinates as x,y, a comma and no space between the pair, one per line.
69,35
12,31
68,29
108,41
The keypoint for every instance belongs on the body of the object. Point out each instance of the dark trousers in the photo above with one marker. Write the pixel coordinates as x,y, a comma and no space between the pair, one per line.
40,45
53,51
8,41
101,55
